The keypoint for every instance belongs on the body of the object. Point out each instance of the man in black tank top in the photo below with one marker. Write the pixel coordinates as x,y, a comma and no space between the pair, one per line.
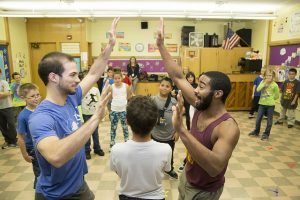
214,133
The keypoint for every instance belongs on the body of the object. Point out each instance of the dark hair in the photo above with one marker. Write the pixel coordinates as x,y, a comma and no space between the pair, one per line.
168,80
14,74
82,74
134,60
219,81
117,70
190,74
142,114
52,62
293,70
110,69
25,88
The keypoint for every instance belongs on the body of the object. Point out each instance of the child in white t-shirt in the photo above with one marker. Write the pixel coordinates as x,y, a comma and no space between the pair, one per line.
141,162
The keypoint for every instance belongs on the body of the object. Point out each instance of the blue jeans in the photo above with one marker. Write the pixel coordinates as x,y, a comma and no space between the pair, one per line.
262,109
95,137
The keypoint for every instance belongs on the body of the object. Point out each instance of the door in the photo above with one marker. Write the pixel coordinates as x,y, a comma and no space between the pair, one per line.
36,53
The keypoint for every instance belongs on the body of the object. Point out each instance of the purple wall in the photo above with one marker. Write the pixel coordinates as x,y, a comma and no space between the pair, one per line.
277,59
148,65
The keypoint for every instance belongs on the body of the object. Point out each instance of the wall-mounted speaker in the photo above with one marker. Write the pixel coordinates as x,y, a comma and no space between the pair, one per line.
144,25
245,35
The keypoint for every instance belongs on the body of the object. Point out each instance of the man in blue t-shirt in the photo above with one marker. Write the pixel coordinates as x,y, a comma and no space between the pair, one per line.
255,94
55,125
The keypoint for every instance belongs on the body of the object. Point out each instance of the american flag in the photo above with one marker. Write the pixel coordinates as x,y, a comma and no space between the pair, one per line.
231,39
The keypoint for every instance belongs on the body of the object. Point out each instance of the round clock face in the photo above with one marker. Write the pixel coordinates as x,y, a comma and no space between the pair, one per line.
139,47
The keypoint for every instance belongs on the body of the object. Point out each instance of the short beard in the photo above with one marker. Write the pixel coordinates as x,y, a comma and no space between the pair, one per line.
66,90
205,102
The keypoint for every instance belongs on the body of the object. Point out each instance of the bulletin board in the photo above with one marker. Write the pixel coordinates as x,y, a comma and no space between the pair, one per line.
285,54
4,63
77,61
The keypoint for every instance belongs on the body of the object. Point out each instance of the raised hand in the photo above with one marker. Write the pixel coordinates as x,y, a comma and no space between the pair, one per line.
178,111
112,32
160,33
105,97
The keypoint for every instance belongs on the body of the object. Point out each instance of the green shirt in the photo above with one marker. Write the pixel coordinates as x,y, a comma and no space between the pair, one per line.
269,93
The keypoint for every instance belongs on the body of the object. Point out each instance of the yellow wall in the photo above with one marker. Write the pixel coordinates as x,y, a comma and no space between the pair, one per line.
259,38
134,34
2,29
19,47
284,18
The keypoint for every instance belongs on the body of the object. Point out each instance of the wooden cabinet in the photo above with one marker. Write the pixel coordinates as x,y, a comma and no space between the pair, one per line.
147,88
213,59
209,59
191,59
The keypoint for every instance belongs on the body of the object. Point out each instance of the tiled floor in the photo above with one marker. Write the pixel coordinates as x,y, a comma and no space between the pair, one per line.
257,170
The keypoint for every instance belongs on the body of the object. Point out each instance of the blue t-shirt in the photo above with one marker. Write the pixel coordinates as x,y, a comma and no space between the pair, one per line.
50,119
23,128
257,81
110,81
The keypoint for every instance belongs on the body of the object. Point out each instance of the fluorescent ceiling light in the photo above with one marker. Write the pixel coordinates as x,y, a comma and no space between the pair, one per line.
173,9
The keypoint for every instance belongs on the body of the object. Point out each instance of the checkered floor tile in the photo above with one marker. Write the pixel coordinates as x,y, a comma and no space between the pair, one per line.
257,170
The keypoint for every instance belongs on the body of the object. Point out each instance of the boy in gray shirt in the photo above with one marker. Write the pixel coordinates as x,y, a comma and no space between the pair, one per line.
163,131
7,121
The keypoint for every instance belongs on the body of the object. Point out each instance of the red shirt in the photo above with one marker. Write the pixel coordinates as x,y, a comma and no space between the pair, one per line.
126,80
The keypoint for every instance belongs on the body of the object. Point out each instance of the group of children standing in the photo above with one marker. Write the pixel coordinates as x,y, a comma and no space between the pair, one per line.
265,92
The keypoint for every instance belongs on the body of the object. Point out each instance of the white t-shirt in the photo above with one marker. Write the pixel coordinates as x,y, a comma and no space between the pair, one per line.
119,98
89,102
141,166
5,102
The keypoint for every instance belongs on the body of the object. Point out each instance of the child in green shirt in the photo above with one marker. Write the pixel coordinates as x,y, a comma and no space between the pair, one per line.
269,93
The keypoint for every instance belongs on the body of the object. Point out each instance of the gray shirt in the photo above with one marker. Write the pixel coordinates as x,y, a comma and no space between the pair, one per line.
164,132
5,102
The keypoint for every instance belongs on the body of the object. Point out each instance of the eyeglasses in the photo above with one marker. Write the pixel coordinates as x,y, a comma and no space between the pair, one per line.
36,96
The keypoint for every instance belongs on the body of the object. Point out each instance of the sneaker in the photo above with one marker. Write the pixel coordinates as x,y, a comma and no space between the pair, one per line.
265,117
180,169
253,134
290,126
264,137
88,156
278,123
251,116
172,174
4,145
100,152
13,145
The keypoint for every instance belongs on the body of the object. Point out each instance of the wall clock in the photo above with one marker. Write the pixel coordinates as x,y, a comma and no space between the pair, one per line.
139,47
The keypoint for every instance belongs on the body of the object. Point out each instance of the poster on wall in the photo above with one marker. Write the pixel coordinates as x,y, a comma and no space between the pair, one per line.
294,27
118,35
152,48
298,73
172,48
124,46
4,65
166,35
70,47
280,75
77,61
